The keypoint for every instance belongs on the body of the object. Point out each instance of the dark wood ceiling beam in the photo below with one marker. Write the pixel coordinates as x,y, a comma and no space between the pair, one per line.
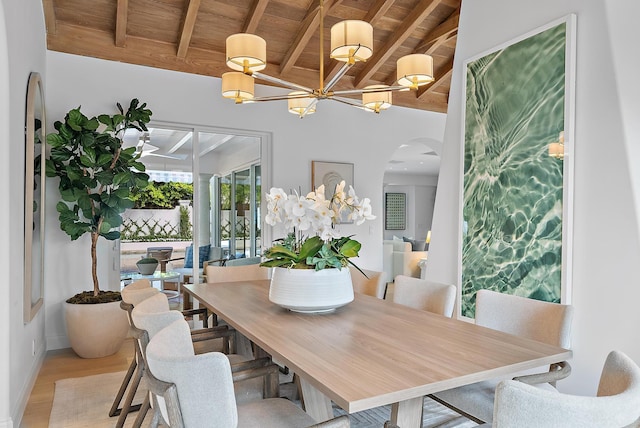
49,16
375,13
187,27
255,15
443,73
415,18
309,26
122,16
440,34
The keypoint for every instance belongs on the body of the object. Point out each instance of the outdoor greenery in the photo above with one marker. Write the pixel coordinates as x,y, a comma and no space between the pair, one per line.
162,195
185,223
97,175
152,230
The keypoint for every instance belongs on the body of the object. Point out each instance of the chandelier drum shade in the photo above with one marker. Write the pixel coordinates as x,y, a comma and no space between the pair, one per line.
238,86
246,52
300,103
351,43
415,70
377,101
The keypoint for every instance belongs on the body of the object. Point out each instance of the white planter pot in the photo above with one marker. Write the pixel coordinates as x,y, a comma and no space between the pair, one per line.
310,291
96,331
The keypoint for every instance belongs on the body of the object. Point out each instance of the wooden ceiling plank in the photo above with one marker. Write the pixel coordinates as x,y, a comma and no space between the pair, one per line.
443,73
187,28
375,13
122,16
440,34
255,15
309,26
378,11
49,16
415,18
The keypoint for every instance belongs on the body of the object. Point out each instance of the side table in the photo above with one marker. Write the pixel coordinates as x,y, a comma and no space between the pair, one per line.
158,276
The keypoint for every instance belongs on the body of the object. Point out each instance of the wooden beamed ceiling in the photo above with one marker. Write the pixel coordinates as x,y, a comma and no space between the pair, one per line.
189,36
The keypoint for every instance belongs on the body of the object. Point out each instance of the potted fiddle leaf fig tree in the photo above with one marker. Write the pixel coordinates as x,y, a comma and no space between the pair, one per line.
97,176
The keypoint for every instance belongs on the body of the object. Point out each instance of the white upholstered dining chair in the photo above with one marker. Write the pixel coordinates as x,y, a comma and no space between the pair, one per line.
152,315
533,319
373,284
197,390
135,294
617,403
425,295
249,272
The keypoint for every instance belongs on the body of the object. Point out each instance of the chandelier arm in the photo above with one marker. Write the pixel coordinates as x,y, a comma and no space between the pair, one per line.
371,90
343,70
281,82
278,97
309,108
349,101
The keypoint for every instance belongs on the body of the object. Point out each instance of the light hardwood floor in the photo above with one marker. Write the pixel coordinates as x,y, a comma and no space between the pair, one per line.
64,363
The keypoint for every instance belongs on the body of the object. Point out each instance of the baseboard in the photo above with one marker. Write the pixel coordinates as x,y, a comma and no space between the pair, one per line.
6,424
21,405
57,342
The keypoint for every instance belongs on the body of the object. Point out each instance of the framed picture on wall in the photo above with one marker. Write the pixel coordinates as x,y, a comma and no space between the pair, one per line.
331,174
518,167
395,211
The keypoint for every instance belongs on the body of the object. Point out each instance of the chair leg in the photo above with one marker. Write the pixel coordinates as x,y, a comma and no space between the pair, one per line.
146,405
127,407
115,410
455,409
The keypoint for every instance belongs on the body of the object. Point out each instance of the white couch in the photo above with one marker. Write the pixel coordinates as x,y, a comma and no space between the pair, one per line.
399,259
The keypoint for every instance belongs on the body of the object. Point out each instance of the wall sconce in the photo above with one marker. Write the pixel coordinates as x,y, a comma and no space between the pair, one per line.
556,149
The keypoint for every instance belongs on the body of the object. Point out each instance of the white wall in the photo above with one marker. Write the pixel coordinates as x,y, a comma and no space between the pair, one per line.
606,248
24,52
333,133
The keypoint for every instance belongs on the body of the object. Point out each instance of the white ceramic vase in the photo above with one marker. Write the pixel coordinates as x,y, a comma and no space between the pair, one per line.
97,330
311,291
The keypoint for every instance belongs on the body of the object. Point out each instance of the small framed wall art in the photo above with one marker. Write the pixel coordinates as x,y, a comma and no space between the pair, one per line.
395,210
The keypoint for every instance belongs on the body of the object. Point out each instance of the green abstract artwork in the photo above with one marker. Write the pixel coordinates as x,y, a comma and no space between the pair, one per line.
513,189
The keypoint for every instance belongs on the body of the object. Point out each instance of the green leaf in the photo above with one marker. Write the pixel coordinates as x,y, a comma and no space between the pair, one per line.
121,177
104,159
111,236
55,140
310,247
105,227
106,120
350,248
92,124
75,119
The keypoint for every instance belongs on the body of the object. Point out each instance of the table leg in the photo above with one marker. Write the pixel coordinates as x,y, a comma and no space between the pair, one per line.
407,413
316,404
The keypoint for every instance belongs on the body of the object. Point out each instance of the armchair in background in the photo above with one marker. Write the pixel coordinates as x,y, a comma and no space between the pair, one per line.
400,259
207,254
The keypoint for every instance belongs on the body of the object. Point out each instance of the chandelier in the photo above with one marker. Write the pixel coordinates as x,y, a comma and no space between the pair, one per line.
351,42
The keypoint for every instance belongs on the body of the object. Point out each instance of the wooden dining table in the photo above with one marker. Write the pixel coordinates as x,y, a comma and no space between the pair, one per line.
372,352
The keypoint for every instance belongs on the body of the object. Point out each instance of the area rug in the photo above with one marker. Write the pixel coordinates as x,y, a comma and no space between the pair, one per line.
85,402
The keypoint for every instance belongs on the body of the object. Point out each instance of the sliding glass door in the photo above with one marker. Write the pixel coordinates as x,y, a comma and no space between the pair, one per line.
206,191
